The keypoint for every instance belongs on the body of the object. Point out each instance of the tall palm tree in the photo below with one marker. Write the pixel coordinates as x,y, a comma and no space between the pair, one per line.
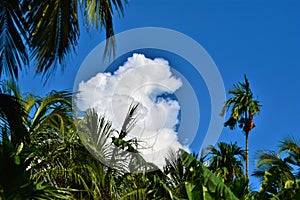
226,161
243,109
48,31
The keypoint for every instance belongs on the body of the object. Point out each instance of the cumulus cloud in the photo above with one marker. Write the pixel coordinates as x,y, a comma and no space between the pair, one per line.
145,81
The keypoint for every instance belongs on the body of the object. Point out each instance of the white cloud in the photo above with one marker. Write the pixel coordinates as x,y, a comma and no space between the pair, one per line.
142,80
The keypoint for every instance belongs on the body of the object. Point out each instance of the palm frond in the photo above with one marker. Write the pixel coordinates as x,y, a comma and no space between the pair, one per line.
13,51
54,31
95,133
11,117
56,105
99,13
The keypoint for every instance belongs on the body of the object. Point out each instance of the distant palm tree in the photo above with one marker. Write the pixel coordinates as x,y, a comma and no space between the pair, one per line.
226,161
243,109
49,30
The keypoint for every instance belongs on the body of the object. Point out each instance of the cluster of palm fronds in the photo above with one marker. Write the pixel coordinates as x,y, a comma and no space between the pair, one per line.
44,155
43,33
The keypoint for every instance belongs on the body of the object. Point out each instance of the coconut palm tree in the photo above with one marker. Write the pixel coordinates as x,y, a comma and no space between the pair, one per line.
226,161
48,31
243,109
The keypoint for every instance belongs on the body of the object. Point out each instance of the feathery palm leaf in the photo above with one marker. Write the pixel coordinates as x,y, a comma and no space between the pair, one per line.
49,31
54,31
13,53
95,133
292,148
99,13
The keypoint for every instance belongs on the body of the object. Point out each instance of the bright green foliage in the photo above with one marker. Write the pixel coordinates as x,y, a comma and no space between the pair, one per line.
243,106
279,172
190,179
17,152
227,161
43,155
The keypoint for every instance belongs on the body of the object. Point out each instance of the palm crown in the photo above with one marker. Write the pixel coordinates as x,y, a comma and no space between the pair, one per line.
243,108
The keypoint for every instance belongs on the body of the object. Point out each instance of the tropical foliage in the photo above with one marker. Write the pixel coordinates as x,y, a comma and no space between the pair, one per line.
279,172
46,32
48,152
44,155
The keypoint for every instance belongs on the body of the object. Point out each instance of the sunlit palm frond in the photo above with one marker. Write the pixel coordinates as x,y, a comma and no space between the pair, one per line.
203,182
270,160
95,132
10,87
273,171
55,109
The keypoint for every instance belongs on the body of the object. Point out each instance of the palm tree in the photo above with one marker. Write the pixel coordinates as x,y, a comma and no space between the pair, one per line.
17,146
243,109
279,172
49,30
40,135
226,161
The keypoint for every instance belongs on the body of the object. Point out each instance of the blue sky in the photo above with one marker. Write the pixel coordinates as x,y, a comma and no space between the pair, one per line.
258,37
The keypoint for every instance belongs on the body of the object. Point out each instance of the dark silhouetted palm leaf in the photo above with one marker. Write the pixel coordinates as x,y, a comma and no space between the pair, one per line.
13,52
54,32
49,31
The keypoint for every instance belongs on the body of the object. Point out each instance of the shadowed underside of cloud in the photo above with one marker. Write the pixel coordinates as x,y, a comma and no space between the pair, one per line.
148,82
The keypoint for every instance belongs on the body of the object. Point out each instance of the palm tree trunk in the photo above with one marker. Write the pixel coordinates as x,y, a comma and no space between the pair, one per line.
247,156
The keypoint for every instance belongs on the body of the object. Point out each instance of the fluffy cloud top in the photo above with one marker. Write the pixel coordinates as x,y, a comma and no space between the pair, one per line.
145,81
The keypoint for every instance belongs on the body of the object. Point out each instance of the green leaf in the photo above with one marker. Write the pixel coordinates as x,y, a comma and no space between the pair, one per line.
17,160
193,192
20,148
